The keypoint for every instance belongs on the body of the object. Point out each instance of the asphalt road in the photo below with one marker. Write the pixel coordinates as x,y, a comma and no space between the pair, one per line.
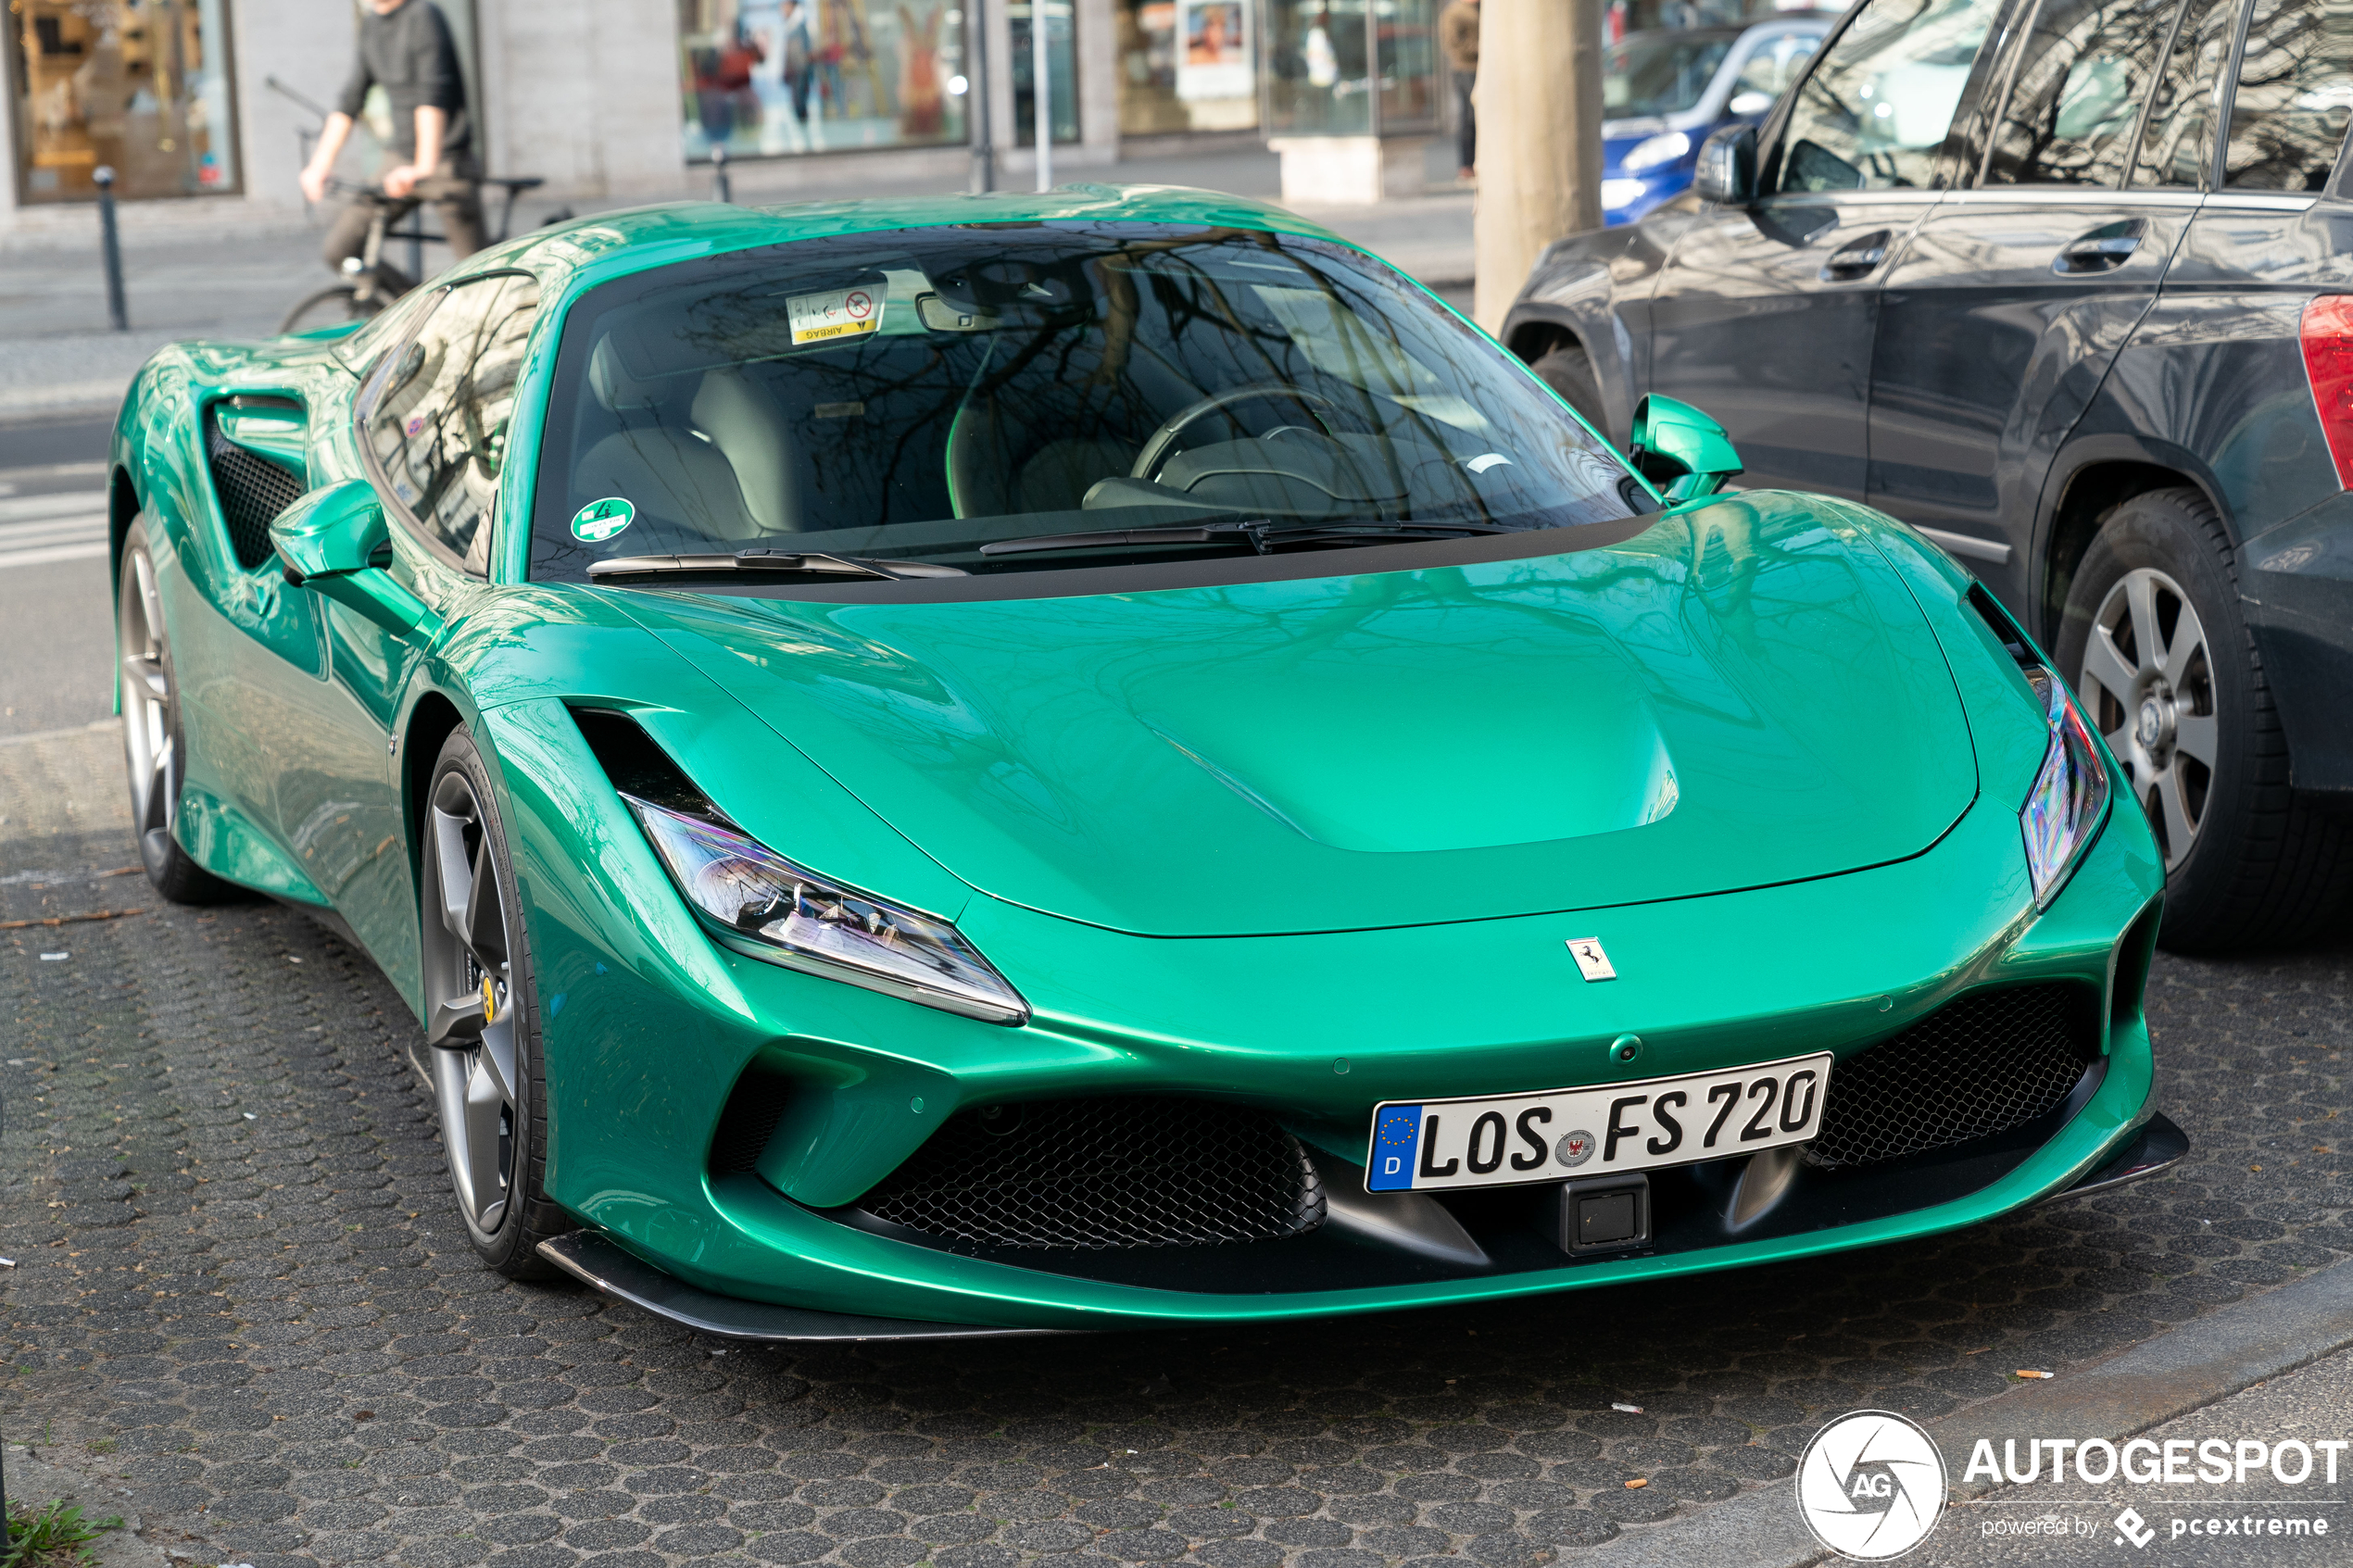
56,668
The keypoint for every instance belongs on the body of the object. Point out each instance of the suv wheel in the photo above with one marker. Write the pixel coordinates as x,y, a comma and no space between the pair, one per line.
1568,370
2168,673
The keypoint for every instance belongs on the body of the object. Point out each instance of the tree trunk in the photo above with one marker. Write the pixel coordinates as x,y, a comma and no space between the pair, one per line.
1539,98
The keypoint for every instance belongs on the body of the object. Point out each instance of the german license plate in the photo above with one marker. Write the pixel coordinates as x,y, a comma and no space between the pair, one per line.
1553,1136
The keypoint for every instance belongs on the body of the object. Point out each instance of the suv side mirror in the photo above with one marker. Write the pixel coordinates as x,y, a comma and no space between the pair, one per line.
329,541
1727,166
1683,451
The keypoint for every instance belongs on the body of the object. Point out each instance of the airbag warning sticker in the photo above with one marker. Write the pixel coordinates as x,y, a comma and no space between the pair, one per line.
842,313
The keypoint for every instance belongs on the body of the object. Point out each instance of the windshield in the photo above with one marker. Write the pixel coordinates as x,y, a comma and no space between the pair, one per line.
1660,73
919,395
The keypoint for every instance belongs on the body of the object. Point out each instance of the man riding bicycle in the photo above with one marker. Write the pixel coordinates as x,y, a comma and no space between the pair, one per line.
405,48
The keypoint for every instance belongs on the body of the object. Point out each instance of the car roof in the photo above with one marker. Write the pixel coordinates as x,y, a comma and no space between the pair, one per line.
610,244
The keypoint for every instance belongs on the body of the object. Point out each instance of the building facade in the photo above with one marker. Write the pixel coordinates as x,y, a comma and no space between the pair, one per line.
204,109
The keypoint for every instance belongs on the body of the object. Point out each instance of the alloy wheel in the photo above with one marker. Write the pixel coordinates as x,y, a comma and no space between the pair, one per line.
470,1022
150,714
2149,682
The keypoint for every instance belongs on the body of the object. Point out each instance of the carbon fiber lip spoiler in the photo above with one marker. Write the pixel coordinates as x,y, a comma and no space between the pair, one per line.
2159,1147
594,1261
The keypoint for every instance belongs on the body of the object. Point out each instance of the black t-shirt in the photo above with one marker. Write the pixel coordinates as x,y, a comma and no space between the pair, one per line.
408,52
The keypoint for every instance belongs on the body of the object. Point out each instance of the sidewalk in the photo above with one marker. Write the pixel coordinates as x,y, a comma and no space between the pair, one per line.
58,357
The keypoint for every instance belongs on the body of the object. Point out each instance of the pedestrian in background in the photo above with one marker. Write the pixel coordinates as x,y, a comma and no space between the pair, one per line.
405,48
1458,38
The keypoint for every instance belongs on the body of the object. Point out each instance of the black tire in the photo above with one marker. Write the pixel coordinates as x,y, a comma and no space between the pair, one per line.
2261,865
1568,370
330,307
459,812
155,734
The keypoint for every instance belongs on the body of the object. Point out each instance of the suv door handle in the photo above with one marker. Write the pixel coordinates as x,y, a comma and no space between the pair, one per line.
2102,250
1856,258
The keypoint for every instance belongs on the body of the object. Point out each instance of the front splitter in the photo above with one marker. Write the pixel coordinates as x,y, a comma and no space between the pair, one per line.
594,1261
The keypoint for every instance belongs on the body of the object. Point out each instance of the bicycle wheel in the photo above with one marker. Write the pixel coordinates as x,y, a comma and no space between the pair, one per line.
331,307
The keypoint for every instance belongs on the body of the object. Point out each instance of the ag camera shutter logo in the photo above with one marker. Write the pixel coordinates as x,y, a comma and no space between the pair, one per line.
1872,1486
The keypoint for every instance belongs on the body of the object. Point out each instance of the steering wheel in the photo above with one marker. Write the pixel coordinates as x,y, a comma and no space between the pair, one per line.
1162,443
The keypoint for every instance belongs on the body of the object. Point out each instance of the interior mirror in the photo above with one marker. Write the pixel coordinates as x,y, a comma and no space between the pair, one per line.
1752,103
1726,173
1683,451
330,541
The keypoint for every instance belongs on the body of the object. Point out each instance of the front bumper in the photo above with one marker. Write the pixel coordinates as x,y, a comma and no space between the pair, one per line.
647,1027
596,1261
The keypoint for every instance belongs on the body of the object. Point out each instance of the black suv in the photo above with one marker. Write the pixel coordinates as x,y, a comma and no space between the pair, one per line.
2056,283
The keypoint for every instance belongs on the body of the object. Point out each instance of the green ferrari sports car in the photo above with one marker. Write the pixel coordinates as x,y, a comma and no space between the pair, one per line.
1017,764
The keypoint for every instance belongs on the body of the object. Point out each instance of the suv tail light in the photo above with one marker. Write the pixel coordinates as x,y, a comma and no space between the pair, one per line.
2327,334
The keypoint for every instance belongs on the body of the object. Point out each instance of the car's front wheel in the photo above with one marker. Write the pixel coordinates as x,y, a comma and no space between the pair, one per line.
2168,673
482,1018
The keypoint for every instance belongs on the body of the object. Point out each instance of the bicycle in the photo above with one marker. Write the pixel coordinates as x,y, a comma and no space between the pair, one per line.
368,285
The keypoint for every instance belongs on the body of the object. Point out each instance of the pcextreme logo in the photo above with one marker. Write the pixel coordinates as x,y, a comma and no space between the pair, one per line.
1872,1486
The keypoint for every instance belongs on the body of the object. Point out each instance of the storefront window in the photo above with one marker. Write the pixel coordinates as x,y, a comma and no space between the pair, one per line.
139,86
1318,58
1060,61
770,78
1187,64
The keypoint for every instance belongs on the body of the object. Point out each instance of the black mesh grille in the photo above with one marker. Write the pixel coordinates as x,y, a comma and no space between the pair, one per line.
1975,1066
253,491
1100,1174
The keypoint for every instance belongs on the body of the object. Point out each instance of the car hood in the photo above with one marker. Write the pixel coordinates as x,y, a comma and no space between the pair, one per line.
1742,694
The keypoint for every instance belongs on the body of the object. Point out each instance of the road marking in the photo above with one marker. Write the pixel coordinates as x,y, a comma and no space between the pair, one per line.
57,531
49,553
38,473
30,508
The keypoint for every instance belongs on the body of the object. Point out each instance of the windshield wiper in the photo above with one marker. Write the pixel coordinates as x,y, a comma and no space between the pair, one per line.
799,563
1262,534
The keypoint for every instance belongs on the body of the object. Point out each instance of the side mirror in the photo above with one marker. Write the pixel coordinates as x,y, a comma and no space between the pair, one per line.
328,542
1683,451
1726,173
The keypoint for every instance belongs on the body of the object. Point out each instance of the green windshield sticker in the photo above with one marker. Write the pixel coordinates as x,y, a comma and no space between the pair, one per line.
600,521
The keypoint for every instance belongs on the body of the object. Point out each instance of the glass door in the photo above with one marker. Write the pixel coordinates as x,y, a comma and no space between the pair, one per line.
1062,62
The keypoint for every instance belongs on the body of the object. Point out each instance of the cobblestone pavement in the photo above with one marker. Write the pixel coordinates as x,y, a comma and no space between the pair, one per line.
242,1289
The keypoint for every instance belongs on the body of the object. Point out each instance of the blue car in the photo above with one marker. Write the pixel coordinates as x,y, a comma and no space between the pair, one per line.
1664,92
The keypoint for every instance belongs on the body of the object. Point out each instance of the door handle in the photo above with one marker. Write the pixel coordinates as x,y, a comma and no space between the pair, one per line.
1856,258
2102,250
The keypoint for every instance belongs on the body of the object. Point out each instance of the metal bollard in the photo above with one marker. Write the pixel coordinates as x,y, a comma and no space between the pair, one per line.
720,189
110,249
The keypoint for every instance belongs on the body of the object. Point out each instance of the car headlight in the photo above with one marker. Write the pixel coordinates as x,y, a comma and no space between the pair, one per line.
2063,810
1620,193
1652,151
771,908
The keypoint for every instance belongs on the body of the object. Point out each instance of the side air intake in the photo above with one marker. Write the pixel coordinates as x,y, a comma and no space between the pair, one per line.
253,491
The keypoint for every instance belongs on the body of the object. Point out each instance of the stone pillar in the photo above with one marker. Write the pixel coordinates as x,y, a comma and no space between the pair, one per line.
1349,170
584,94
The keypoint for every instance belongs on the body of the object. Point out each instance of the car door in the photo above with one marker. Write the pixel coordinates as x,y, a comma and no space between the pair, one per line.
2217,370
2003,313
1764,315
431,422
